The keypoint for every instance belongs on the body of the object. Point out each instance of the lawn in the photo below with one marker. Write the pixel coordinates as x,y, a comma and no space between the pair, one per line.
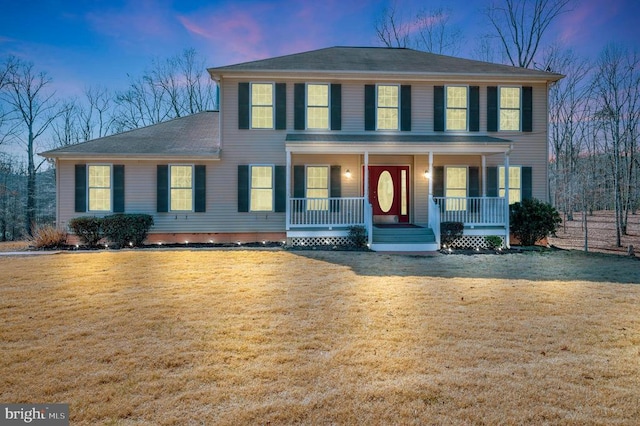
276,337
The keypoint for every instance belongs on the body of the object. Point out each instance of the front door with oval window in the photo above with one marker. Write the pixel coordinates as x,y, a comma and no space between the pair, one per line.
389,193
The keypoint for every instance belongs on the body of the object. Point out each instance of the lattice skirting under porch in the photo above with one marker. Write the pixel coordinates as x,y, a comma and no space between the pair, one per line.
472,242
318,241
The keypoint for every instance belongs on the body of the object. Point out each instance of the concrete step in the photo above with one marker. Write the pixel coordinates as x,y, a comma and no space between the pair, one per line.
413,235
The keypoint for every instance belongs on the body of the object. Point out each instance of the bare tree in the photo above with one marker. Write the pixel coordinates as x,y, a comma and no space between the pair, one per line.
521,24
171,88
428,30
96,117
34,108
617,96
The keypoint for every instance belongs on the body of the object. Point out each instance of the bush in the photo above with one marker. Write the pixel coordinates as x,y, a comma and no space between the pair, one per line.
127,229
358,235
48,237
532,220
493,241
88,229
450,231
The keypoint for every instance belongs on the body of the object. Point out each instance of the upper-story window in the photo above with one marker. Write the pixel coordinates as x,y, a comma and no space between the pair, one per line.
509,101
262,105
456,109
181,188
317,106
99,188
387,111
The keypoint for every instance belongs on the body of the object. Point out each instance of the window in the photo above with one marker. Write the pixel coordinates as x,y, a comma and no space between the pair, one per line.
262,106
509,108
317,187
515,183
456,186
457,100
100,188
181,188
387,111
317,106
261,197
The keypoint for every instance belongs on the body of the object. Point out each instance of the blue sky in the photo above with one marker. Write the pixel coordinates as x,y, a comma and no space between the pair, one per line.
81,43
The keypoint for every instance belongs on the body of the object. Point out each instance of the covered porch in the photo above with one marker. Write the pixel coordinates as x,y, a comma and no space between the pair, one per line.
385,183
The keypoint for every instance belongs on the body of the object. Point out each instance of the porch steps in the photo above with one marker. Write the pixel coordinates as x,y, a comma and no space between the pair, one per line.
403,239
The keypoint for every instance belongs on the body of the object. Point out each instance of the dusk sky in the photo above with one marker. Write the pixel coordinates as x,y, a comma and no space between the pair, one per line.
82,43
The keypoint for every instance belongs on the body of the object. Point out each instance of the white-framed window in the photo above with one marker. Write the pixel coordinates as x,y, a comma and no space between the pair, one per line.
318,106
317,187
181,187
388,110
262,110
515,183
261,188
457,100
456,184
99,186
509,104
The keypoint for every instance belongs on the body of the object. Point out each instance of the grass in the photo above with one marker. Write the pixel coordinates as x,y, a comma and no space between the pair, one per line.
276,337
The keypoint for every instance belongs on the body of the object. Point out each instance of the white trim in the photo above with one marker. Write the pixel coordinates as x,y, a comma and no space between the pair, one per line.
273,189
467,109
193,186
88,188
273,105
306,106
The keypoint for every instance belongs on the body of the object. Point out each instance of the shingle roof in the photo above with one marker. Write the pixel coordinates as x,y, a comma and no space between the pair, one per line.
380,60
190,136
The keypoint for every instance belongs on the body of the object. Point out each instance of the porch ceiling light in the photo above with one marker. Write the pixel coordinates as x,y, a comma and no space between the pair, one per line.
347,174
427,174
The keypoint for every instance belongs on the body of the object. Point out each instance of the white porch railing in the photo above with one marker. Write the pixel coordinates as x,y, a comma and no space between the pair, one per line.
326,212
472,211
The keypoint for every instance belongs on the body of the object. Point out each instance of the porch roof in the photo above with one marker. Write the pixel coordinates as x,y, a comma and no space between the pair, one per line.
395,143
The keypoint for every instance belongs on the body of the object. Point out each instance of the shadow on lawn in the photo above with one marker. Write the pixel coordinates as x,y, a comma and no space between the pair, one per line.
552,265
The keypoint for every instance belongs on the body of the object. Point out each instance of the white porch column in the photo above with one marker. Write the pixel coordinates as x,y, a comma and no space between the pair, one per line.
506,197
366,176
484,176
288,192
430,174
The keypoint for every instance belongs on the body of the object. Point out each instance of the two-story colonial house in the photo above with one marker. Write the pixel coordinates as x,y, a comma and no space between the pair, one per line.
305,145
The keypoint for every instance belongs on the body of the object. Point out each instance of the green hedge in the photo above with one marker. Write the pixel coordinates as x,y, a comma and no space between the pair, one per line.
450,231
532,220
119,229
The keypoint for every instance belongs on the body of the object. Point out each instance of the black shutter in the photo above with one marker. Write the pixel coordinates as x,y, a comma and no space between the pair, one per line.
118,188
243,105
81,188
474,181
474,109
280,188
243,188
336,187
527,183
299,186
438,108
200,180
299,112
527,109
281,106
405,108
492,109
162,188
492,181
336,107
369,107
438,181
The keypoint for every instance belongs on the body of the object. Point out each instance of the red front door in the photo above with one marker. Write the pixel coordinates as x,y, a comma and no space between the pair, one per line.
389,193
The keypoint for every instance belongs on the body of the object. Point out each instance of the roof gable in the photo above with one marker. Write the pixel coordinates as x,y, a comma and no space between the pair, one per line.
380,60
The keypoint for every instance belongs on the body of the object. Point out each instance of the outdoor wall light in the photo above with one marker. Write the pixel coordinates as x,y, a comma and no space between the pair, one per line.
427,174
347,174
